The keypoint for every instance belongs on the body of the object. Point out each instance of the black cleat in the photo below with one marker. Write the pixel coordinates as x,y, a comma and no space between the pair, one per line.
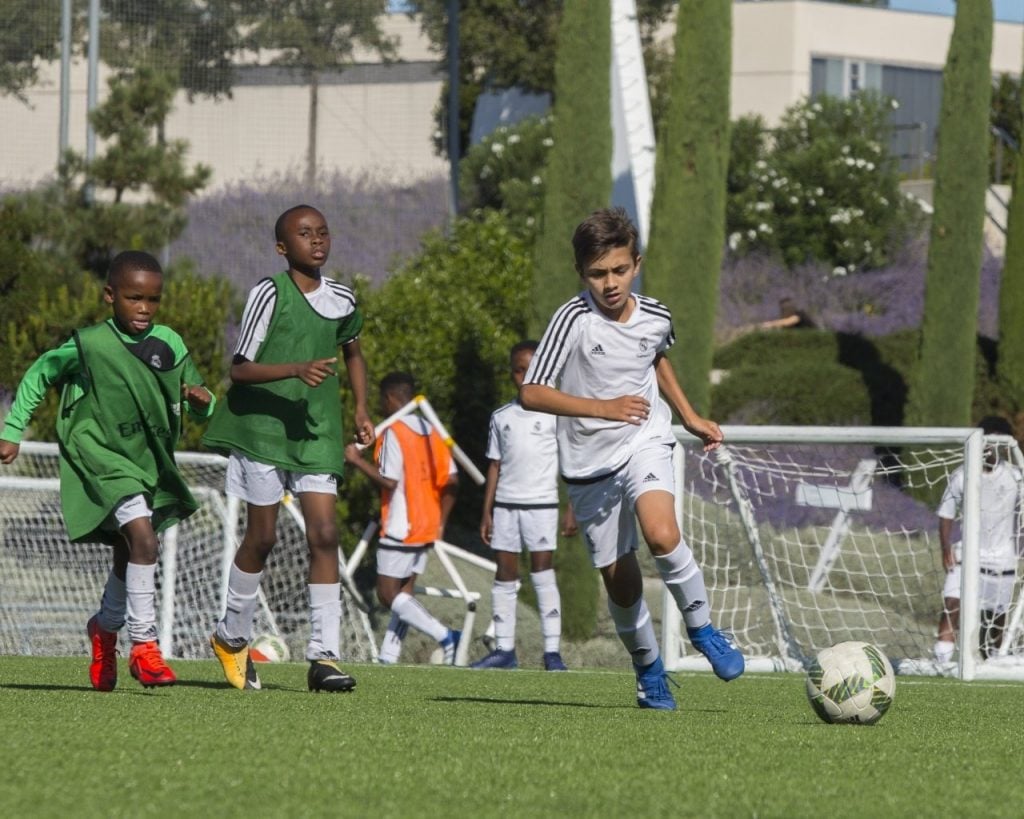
324,675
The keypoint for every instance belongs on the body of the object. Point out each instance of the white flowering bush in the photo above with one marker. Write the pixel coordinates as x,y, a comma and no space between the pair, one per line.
504,172
820,188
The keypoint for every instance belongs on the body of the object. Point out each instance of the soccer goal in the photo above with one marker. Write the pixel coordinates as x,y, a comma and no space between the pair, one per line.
50,587
809,536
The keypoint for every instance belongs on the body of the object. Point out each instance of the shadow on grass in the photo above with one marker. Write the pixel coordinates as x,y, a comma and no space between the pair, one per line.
517,701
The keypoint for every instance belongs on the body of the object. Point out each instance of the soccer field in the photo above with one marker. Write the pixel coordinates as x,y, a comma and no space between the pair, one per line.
432,741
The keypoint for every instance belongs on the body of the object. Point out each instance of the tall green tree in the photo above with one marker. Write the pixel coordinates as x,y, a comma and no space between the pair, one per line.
943,387
29,36
507,44
578,177
1011,289
313,37
688,212
194,41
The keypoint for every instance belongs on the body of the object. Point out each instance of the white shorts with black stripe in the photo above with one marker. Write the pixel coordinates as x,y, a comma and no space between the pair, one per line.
534,527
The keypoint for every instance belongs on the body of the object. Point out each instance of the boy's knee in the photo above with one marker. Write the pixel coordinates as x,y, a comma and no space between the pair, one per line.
321,536
662,539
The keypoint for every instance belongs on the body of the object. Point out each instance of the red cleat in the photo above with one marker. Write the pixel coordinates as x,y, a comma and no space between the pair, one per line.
103,668
147,665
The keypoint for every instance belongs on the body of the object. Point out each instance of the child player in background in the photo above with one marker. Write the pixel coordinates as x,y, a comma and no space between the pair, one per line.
521,509
123,383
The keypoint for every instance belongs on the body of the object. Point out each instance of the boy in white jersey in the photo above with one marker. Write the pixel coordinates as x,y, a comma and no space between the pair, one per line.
280,425
521,507
1001,487
601,367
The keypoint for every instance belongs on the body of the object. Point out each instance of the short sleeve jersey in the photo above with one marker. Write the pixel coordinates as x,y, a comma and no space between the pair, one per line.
331,299
1000,503
526,444
392,467
584,353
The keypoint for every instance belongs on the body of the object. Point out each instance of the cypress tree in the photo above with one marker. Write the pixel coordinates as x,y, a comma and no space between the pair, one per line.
1011,290
688,213
578,177
942,388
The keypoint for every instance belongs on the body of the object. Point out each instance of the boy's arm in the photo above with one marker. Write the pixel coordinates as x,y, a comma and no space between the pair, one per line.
708,431
355,365
311,373
632,409
490,488
199,401
354,456
45,371
448,495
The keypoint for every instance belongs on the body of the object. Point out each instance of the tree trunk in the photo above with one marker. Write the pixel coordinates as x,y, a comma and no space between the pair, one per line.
314,107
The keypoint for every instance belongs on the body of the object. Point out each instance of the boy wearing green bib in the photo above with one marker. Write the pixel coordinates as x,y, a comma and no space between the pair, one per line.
280,425
123,383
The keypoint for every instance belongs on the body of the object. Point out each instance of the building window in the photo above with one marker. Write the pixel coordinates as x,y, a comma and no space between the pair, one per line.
843,78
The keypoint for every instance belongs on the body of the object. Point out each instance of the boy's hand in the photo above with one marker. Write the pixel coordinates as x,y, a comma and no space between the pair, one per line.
486,527
570,528
632,409
364,428
353,454
199,398
314,373
8,452
708,431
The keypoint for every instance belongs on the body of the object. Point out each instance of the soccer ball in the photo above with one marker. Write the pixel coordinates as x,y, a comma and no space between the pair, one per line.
851,682
269,648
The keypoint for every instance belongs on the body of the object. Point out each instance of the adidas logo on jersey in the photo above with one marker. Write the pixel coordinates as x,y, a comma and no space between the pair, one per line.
650,476
553,613
597,349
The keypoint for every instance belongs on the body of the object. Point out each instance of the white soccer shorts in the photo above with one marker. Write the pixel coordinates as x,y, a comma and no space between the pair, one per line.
537,529
605,509
995,588
264,485
131,508
401,563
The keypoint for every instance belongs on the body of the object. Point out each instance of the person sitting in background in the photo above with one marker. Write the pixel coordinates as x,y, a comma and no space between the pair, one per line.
791,317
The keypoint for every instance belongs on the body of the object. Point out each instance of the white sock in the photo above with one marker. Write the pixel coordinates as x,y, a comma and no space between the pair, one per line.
944,651
391,645
235,627
636,631
114,604
549,604
140,598
685,583
411,611
324,621
503,608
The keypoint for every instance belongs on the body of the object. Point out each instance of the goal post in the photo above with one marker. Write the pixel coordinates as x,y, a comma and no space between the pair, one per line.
49,587
809,536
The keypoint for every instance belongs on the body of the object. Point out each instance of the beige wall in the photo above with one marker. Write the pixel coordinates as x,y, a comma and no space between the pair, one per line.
773,44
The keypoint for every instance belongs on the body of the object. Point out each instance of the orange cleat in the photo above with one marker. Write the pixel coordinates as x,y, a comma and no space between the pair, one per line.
147,665
103,668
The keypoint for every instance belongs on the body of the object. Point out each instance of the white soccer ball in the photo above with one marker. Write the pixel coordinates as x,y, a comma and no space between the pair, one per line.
851,682
269,648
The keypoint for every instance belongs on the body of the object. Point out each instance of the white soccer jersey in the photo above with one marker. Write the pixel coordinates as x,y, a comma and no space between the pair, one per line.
395,529
585,353
527,445
331,300
1000,498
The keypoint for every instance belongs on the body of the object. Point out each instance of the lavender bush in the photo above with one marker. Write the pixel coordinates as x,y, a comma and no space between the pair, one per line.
872,304
375,224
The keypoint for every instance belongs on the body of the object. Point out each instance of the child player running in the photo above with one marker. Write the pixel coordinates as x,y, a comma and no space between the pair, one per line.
281,427
521,508
600,366
123,383
418,481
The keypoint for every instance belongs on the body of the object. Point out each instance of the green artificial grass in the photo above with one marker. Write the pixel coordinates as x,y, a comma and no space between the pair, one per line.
431,741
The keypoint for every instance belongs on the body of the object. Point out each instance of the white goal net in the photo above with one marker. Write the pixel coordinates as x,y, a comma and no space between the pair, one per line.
50,587
812,536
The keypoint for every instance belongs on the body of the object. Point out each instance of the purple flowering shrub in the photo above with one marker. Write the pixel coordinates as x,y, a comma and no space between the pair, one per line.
375,225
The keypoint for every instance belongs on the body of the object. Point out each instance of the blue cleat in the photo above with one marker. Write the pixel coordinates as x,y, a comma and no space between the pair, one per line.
498,659
553,661
450,644
726,660
652,687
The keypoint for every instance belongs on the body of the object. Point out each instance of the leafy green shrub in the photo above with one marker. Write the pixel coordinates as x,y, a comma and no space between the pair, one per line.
504,172
821,187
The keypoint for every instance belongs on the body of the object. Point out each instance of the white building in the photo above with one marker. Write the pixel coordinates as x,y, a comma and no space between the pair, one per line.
378,118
